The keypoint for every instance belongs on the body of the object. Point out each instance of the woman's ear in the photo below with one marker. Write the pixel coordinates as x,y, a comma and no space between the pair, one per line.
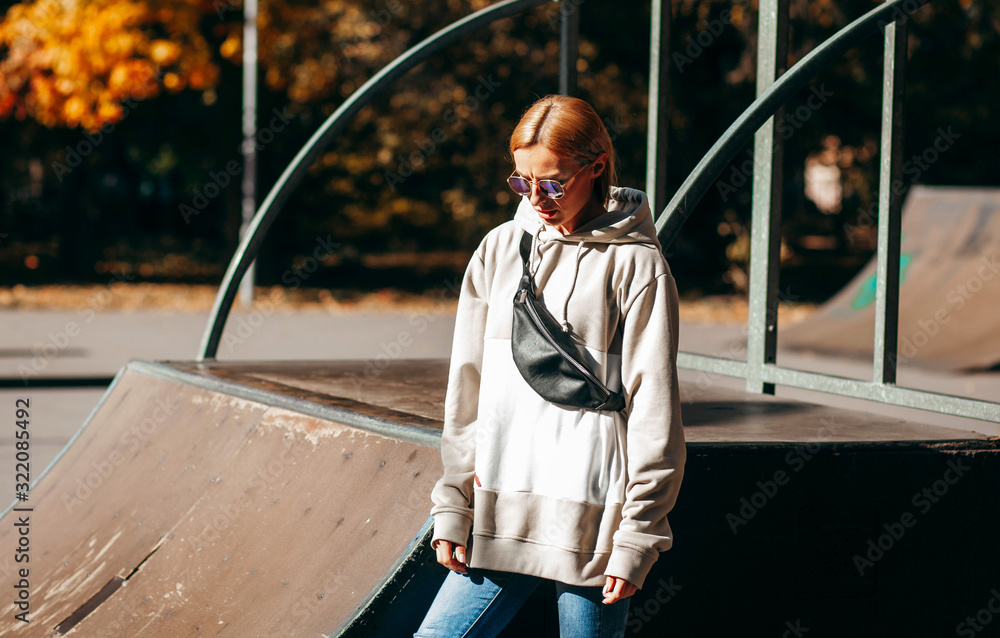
600,164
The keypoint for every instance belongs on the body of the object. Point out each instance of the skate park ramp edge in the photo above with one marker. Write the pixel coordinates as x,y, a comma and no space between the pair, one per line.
949,287
183,510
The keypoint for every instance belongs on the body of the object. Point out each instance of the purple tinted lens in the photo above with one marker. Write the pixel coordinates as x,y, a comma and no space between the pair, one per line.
519,185
552,189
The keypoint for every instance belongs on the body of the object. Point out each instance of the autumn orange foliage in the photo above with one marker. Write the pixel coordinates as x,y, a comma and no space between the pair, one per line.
86,62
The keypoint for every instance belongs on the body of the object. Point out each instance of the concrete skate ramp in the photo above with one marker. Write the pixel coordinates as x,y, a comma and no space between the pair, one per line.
268,499
179,510
949,291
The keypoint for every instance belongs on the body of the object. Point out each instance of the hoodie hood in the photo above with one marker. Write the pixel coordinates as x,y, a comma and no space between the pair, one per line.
628,220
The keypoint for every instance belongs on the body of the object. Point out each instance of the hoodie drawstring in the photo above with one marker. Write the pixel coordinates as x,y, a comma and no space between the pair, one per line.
536,245
572,287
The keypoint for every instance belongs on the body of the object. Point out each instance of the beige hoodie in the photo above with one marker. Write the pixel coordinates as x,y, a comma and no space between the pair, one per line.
565,494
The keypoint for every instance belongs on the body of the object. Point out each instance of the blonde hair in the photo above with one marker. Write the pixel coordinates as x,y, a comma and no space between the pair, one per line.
569,127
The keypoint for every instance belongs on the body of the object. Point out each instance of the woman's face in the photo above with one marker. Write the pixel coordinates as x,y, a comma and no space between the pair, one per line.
577,206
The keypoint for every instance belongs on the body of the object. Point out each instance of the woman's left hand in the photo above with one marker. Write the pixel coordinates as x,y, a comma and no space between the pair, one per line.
617,588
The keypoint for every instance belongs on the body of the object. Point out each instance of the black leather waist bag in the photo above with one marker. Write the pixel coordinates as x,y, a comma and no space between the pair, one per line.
547,357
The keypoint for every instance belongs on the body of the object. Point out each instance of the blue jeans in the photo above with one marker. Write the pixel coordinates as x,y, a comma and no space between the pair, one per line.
481,603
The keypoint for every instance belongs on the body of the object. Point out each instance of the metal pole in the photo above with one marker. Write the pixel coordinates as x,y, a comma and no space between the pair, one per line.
249,182
700,180
765,232
658,122
890,204
569,45
272,204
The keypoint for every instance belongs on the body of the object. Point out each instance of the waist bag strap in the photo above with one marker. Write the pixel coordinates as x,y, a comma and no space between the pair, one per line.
547,357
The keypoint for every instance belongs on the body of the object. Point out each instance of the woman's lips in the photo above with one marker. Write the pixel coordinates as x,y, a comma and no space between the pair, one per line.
546,213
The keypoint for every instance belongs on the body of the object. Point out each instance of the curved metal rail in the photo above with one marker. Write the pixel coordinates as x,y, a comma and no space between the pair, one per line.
668,223
677,211
760,369
256,231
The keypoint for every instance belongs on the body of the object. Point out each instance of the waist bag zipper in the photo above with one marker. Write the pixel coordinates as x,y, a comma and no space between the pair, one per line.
538,322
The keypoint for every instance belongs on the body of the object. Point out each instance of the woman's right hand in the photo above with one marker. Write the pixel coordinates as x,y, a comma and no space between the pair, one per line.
450,555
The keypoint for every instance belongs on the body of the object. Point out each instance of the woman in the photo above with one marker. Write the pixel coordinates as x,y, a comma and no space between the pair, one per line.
532,490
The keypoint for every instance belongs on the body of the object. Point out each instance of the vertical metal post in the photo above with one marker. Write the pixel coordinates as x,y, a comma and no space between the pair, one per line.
569,45
890,204
765,231
249,181
658,122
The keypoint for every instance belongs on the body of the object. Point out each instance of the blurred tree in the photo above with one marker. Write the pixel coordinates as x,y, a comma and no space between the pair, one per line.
84,62
423,167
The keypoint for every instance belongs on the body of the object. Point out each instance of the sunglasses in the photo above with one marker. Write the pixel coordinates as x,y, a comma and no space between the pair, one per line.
551,188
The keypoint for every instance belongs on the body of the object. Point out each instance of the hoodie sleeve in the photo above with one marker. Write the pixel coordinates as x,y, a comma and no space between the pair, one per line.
654,436
453,494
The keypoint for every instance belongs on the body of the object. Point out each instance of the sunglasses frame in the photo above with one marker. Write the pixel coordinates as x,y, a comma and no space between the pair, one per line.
562,185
